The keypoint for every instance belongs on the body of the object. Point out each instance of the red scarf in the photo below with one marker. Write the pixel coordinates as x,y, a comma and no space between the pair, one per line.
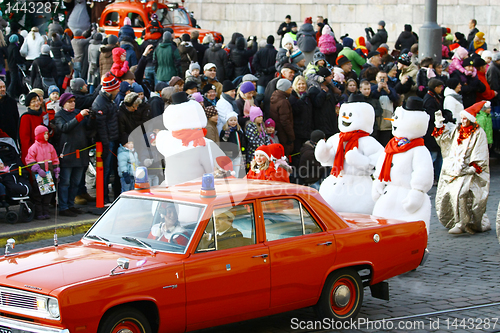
393,148
79,37
352,142
465,132
196,135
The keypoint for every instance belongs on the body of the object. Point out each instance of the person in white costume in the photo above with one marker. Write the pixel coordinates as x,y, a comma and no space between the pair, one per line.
404,172
352,154
188,154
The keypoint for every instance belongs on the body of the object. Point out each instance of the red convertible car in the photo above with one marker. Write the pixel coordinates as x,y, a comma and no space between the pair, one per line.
178,259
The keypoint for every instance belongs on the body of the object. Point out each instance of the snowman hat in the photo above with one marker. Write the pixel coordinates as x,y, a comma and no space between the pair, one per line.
414,104
263,150
356,98
224,163
184,114
471,112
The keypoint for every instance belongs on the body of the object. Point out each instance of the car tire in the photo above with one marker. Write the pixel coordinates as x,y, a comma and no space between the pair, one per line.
125,319
341,297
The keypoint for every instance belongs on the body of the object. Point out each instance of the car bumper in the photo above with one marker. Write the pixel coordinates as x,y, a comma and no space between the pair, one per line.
18,326
425,257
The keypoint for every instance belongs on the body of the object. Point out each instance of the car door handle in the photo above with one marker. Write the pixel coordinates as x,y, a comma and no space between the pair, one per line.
325,243
265,255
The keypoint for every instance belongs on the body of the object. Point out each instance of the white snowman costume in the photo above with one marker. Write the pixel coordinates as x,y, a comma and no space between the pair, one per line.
188,155
400,189
352,154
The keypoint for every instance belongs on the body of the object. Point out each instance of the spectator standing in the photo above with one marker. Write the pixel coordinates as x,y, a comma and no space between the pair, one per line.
355,58
306,39
281,112
453,99
188,54
432,103
310,171
8,113
200,48
302,110
210,77
287,72
255,133
14,59
478,43
129,116
240,56
33,117
285,27
167,59
406,39
212,118
80,46
106,56
473,31
471,85
378,38
43,68
488,93
226,105
263,63
31,47
387,97
60,55
216,56
93,77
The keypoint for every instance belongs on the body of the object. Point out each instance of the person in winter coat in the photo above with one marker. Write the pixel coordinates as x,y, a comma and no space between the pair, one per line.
232,43
79,89
310,171
255,133
493,75
285,27
125,89
42,158
425,73
281,112
193,74
245,101
167,59
478,43
212,118
33,117
263,63
375,39
128,160
287,72
74,126
457,62
130,46
31,47
306,39
406,39
453,99
233,141
226,105
93,76
200,48
261,166
106,56
327,44
43,68
8,113
302,109
240,56
120,64
14,59
126,30
188,54
488,93
107,128
355,58
80,46
60,55
471,85
129,116
432,102
270,125
216,55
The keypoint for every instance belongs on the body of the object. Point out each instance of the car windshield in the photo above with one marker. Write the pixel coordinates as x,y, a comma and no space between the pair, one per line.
178,15
151,224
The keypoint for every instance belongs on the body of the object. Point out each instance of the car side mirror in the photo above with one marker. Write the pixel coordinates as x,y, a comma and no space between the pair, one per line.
11,243
122,263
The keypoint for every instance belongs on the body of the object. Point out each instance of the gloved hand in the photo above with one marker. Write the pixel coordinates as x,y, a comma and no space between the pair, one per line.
126,177
57,171
36,168
377,189
320,79
148,162
421,88
438,119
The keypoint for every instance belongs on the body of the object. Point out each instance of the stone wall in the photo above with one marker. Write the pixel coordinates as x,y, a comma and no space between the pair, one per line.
263,17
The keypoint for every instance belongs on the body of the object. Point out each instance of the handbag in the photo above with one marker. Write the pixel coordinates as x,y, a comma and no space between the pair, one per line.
46,81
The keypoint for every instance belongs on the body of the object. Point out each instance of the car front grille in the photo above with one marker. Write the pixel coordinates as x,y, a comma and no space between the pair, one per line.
17,299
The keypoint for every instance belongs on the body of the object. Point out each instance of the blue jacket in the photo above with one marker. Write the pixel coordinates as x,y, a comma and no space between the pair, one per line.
127,161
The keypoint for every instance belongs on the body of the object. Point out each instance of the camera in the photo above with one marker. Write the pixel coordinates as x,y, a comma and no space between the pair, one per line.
382,80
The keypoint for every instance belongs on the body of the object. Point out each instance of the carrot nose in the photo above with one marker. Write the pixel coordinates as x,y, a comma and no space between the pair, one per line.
345,117
390,119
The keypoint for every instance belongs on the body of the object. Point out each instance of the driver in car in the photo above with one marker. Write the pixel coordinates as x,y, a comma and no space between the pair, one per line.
169,230
227,235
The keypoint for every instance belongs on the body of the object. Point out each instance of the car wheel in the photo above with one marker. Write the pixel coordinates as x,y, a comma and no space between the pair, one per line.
26,213
125,320
341,297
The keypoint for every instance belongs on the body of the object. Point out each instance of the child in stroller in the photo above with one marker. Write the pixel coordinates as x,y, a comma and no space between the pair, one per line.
17,188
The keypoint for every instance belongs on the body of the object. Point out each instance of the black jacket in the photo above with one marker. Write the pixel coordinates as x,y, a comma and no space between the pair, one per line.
240,57
302,109
470,87
45,66
405,40
73,132
107,120
216,55
84,101
157,106
310,170
60,54
10,117
432,103
325,117
200,48
232,43
128,121
14,57
263,63
378,38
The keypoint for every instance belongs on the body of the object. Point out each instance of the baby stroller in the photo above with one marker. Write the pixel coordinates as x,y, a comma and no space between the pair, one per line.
26,83
17,187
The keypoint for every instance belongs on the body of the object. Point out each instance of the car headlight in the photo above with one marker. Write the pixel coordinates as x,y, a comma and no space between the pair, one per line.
53,307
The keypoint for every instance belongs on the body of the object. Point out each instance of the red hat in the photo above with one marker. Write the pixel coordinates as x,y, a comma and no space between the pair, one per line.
224,163
110,83
277,150
264,150
308,20
471,112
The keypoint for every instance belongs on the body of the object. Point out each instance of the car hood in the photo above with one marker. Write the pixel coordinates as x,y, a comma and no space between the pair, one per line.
361,221
54,267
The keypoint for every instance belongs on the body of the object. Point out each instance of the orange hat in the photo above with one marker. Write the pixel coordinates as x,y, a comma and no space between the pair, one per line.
471,112
264,150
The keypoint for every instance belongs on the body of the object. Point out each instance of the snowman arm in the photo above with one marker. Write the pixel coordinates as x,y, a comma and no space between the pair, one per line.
324,153
422,175
355,158
373,150
160,142
378,186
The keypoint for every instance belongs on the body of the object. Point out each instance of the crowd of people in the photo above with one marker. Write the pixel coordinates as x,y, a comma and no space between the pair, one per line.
273,105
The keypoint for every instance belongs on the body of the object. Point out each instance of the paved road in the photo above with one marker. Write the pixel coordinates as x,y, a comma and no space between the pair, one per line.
462,271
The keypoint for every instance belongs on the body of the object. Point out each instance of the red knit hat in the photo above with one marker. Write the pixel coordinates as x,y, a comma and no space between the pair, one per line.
471,112
277,150
264,150
308,20
110,83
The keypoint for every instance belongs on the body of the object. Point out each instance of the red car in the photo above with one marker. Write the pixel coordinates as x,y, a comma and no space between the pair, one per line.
169,14
174,260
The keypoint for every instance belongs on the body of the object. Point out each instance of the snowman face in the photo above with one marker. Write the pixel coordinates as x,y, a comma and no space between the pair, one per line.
409,124
356,116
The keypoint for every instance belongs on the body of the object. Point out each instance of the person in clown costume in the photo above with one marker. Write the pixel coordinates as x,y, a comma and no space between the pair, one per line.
404,172
352,154
464,183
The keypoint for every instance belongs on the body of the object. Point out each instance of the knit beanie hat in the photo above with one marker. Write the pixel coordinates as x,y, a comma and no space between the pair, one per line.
452,83
29,97
270,39
40,132
308,20
342,59
347,42
318,56
97,37
197,97
45,49
324,72
137,88
210,111
255,112
287,39
283,84
227,85
76,84
127,21
64,98
194,65
78,32
496,56
174,80
167,37
185,37
160,85
52,89
405,59
207,88
130,98
317,135
247,87
13,39
479,62
190,85
110,83
297,56
408,27
382,23
270,123
112,39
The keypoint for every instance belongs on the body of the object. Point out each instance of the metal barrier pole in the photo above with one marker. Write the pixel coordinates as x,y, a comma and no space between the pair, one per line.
99,178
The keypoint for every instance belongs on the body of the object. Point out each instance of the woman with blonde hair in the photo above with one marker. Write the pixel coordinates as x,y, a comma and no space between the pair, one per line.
32,46
302,109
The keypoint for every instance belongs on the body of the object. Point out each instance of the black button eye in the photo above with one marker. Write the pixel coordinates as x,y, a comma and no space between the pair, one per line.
395,117
350,114
343,113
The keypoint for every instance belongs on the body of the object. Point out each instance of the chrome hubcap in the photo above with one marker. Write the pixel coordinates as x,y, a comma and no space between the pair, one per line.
125,330
341,296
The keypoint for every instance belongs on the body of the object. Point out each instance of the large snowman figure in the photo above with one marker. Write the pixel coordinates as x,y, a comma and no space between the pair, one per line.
188,154
352,154
404,171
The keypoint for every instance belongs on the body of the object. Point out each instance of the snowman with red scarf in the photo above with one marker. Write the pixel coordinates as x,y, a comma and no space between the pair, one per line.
352,154
404,172
188,154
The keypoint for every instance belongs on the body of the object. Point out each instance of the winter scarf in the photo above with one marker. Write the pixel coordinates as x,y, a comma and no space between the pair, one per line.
396,146
351,140
196,135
